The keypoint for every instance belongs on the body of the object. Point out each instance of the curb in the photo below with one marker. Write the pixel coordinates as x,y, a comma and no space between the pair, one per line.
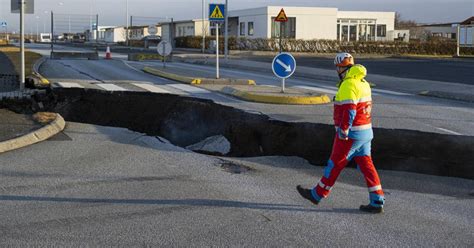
190,80
444,95
34,137
274,99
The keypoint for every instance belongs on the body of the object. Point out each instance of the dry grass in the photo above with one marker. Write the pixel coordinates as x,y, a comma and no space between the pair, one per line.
13,53
44,117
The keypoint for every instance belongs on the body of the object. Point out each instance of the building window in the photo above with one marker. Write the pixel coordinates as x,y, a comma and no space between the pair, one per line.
242,29
251,29
289,28
381,30
213,30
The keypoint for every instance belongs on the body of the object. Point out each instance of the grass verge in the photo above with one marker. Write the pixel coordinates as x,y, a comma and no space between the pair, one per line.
13,53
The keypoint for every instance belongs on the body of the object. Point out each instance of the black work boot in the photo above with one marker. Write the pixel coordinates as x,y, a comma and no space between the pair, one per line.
371,209
306,193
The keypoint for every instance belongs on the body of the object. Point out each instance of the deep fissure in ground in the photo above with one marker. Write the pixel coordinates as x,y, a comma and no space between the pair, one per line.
185,121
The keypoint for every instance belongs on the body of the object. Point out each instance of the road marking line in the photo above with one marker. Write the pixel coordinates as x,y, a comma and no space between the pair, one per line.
151,88
111,87
189,89
392,92
70,85
448,131
333,92
131,67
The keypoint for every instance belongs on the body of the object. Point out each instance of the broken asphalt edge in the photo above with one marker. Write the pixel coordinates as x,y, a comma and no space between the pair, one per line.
197,81
36,66
445,95
276,99
42,134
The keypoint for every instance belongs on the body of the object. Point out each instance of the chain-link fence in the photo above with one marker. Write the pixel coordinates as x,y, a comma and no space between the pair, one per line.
71,28
9,82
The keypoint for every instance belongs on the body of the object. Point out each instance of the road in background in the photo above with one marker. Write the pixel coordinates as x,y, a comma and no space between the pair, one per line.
454,70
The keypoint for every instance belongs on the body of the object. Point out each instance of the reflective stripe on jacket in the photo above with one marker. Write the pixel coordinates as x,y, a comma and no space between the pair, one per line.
353,101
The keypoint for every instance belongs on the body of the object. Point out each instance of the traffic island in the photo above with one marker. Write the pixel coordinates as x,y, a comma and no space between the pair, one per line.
269,94
18,131
194,76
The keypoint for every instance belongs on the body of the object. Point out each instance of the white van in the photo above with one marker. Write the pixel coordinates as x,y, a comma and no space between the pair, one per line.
45,37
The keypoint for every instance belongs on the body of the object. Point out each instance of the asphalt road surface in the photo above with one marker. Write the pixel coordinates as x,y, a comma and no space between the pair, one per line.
101,186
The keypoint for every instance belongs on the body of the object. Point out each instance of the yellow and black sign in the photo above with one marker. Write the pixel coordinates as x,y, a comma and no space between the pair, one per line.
281,16
216,12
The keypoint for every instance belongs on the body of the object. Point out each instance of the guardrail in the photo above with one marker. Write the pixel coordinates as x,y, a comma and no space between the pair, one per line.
9,82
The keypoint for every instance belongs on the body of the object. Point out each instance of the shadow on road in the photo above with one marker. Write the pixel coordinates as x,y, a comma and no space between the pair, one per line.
183,202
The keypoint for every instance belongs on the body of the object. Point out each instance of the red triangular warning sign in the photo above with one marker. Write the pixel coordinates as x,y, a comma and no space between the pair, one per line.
281,16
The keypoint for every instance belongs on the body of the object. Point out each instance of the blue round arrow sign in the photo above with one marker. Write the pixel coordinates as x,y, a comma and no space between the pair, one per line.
284,65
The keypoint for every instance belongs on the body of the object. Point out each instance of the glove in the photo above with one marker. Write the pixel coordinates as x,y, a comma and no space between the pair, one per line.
342,134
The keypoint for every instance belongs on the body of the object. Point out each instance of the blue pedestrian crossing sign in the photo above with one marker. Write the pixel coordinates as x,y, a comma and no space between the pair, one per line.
216,12
284,65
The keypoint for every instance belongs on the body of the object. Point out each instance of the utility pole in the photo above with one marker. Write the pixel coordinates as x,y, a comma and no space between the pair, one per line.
226,31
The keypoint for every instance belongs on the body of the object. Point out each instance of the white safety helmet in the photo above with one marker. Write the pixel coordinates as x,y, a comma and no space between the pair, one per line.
344,60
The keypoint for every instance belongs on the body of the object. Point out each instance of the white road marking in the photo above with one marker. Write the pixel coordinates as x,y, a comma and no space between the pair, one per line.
448,131
131,67
189,88
70,85
111,87
151,88
391,92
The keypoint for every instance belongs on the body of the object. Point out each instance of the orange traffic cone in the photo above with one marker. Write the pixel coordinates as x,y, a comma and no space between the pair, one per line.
108,54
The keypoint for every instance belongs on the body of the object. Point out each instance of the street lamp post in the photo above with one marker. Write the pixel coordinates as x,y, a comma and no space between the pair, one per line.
226,31
37,27
22,44
126,18
203,28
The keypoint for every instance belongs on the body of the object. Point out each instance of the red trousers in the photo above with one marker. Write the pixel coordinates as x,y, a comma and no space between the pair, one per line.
344,151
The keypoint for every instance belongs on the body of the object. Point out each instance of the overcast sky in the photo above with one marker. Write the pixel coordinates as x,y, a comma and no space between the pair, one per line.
112,12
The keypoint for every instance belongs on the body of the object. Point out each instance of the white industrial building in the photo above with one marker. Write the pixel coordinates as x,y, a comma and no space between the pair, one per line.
313,23
305,23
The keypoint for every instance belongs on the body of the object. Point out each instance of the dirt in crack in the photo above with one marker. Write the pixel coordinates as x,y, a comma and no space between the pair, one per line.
234,168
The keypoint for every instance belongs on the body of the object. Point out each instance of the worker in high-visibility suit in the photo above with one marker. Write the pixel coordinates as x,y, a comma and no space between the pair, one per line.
352,119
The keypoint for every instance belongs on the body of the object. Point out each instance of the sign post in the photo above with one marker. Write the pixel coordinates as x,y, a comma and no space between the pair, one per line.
217,15
283,66
22,7
164,49
281,18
